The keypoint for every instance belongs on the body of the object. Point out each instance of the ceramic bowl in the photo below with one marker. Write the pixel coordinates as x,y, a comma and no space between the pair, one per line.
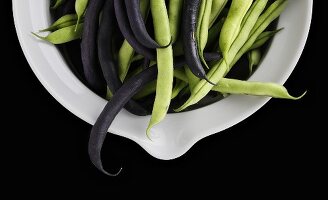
178,132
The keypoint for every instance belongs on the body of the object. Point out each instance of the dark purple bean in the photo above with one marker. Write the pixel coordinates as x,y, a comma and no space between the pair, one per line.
106,57
189,22
118,101
180,61
123,23
113,107
92,71
138,25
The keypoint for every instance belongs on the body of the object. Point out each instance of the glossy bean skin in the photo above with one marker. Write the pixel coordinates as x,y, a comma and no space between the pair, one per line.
127,51
271,13
232,24
164,63
112,108
127,32
249,22
220,69
232,86
189,21
92,71
106,57
138,25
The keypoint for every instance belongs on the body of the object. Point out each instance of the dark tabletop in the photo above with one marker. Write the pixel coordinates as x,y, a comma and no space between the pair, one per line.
49,144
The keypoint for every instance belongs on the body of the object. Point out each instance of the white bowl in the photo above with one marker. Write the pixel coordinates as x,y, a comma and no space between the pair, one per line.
178,132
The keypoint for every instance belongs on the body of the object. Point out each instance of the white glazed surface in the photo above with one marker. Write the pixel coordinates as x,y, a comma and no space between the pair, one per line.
178,132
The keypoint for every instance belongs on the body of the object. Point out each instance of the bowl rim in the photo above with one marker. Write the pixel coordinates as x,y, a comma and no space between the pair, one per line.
90,114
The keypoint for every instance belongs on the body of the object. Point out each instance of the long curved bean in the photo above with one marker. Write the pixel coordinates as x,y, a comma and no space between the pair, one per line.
248,24
138,25
232,86
232,24
126,52
89,56
272,13
189,21
106,57
112,108
164,63
127,32
219,70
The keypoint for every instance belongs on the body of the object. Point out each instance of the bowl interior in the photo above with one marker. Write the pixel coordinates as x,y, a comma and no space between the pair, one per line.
178,132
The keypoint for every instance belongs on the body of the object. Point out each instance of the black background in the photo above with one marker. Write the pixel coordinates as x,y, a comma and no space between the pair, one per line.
48,144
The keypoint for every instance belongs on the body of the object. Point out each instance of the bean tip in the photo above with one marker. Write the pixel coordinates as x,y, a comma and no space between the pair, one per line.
300,97
38,36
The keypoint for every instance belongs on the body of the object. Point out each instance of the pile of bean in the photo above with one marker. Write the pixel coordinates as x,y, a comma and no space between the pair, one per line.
157,56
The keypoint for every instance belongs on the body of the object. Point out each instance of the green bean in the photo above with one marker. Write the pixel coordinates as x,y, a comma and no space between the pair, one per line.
232,24
126,52
57,4
232,86
61,22
249,22
63,35
263,38
217,7
164,63
175,11
219,70
274,10
80,7
179,86
202,28
254,58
